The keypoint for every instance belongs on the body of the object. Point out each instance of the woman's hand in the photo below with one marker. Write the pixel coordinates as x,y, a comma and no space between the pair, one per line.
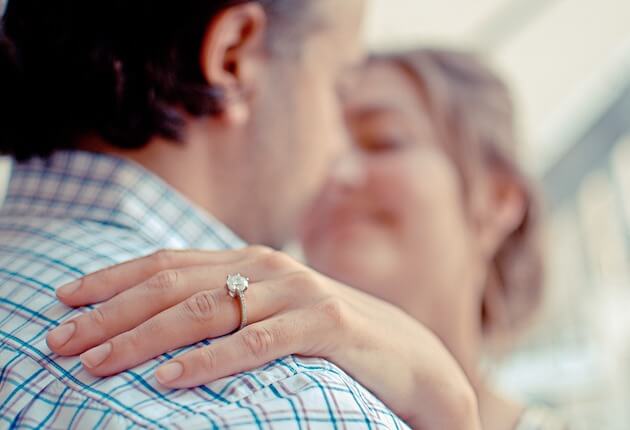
176,298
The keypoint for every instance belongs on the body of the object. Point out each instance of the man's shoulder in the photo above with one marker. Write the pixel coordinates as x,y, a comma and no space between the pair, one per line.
289,393
78,246
35,385
37,255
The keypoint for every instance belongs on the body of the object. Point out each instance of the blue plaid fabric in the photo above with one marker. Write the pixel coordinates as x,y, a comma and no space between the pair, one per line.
78,212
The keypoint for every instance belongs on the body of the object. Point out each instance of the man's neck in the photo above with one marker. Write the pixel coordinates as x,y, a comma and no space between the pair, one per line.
207,172
177,164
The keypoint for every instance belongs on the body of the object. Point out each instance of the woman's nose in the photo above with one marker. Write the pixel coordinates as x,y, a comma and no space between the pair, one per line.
348,171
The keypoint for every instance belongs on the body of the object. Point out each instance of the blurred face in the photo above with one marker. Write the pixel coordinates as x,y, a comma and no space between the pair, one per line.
401,232
299,125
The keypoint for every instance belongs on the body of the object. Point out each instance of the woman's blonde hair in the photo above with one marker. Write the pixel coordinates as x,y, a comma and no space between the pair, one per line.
473,113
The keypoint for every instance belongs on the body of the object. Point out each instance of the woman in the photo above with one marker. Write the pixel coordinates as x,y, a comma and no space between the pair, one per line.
444,225
441,224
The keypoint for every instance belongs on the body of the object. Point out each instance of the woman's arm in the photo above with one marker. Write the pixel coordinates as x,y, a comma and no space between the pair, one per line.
177,298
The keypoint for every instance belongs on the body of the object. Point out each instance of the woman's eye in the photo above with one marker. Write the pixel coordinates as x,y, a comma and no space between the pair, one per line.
384,144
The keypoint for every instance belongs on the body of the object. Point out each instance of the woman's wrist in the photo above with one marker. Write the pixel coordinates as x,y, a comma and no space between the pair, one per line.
456,409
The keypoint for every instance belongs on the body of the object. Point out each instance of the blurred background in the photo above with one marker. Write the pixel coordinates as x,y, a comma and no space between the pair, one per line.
568,62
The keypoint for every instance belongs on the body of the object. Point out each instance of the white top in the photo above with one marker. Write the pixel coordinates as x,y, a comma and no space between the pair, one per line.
540,419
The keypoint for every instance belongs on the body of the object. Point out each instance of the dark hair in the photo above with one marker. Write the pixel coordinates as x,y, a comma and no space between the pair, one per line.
473,112
124,70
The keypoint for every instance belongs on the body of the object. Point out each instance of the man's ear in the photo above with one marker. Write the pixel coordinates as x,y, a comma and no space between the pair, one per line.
231,56
503,209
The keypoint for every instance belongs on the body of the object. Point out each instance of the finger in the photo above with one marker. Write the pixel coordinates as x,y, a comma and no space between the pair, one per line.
138,304
248,349
208,314
107,283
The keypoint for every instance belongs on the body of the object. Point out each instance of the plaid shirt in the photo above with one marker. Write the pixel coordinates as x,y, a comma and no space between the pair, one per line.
79,212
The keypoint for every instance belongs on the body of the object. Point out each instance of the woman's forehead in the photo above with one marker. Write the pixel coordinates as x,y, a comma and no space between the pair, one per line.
383,89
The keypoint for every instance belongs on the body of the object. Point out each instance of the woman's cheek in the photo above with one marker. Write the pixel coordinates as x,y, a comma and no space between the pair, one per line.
425,196
400,189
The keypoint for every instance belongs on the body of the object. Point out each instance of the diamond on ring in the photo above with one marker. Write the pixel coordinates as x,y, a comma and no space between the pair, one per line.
237,284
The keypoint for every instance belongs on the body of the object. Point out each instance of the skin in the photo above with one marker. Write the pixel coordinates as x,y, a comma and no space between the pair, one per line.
283,119
406,235
293,309
408,209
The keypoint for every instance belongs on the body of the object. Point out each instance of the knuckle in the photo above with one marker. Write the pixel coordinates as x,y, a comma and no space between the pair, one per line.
97,317
163,259
306,283
258,341
135,339
164,280
276,261
334,310
208,360
106,275
151,329
258,250
201,307
301,279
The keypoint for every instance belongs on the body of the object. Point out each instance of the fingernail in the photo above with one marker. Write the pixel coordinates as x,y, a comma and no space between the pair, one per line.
96,356
62,334
68,289
169,372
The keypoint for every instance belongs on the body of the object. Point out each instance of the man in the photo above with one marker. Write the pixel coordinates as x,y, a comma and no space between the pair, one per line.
236,106
132,122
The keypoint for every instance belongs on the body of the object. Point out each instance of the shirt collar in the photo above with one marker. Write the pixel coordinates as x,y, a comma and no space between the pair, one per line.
95,187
